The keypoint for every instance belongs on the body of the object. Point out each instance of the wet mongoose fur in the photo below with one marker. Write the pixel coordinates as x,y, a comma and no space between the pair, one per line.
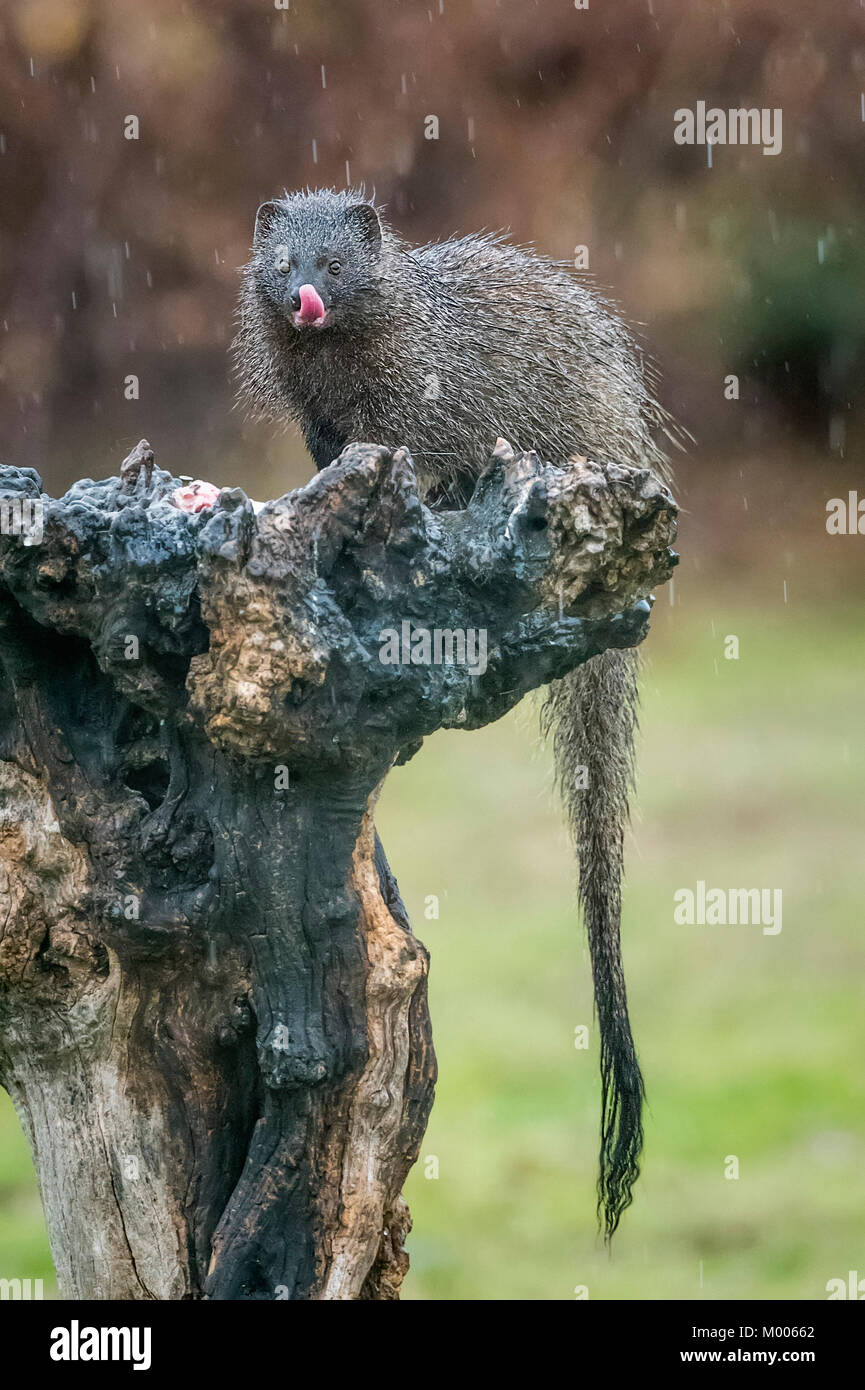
359,335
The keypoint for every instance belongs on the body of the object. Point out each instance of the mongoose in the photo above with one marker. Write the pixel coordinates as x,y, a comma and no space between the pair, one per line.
359,335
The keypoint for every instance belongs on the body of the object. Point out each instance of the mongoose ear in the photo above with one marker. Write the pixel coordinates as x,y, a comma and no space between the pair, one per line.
265,218
364,217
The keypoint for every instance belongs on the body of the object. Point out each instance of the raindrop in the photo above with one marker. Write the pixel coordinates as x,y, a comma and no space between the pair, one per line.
837,433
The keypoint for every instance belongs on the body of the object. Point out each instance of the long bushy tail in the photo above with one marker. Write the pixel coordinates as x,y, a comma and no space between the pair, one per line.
592,715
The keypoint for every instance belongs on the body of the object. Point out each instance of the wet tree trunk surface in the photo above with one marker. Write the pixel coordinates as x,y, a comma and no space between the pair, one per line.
213,1010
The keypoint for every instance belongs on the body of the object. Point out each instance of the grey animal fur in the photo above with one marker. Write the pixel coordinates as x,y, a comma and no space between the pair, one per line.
444,348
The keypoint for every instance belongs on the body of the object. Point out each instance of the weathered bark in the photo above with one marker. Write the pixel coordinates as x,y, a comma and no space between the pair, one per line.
213,1016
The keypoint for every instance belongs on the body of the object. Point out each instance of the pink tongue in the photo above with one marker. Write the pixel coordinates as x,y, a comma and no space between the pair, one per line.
311,306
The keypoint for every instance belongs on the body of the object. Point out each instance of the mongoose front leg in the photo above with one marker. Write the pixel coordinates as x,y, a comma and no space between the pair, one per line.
324,442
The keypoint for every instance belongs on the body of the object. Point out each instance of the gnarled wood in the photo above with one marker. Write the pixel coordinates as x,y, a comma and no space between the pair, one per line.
213,1014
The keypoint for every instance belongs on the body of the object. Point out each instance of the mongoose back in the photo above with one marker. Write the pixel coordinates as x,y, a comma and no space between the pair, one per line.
359,335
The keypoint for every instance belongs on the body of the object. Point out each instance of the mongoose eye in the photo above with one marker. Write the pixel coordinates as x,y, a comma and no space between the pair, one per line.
335,267
282,260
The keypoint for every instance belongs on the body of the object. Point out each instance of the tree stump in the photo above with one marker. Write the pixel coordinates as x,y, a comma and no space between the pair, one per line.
213,1011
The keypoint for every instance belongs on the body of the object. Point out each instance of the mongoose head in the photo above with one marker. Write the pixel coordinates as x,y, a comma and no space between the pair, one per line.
317,259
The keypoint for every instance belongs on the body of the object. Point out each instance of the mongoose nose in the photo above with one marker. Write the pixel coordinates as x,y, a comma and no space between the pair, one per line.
294,300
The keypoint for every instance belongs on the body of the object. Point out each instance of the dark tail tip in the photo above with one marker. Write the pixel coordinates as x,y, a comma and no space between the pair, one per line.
622,1095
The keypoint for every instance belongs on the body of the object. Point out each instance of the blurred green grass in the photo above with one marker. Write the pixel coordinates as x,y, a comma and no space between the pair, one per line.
750,775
